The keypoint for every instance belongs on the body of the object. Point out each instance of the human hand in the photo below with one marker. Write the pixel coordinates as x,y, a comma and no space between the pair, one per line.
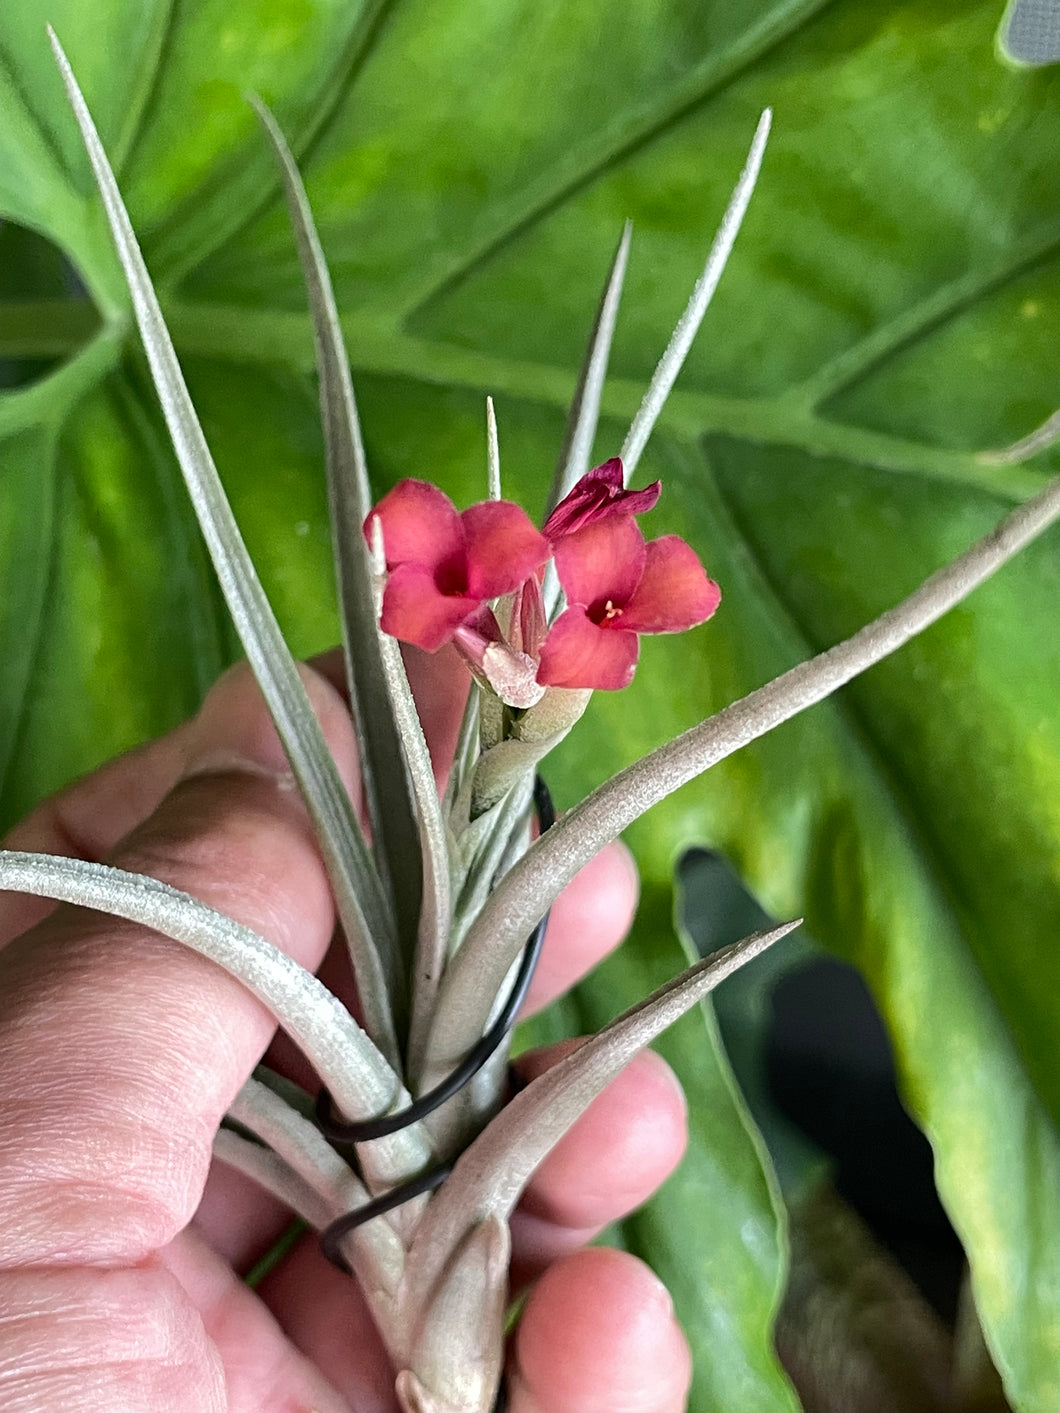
122,1246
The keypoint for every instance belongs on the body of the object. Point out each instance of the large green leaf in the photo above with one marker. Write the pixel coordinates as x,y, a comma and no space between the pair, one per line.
890,308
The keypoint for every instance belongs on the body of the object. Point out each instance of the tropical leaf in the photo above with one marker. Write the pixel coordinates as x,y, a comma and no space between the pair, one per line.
889,309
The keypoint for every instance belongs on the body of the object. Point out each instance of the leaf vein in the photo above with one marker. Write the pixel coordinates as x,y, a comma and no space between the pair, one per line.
581,165
935,310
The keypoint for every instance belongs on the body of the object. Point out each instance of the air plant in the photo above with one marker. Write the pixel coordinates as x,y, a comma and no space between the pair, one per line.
409,1161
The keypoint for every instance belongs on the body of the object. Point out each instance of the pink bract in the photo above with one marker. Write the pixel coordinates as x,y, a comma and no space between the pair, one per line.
444,564
618,586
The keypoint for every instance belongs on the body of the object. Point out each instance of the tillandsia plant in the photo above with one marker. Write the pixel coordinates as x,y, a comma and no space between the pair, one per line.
409,1161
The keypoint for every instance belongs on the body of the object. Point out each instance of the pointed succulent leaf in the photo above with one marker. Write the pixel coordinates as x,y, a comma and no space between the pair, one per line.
432,933
299,1142
358,893
688,325
1040,439
538,878
433,927
274,1174
478,849
491,1174
584,414
493,453
375,1250
371,686
360,1079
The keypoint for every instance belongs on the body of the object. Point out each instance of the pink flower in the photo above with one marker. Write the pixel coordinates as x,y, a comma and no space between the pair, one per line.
597,496
443,564
618,586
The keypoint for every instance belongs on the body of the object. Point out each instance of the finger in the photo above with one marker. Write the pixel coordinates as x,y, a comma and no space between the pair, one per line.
598,1335
238,1219
588,920
625,1145
87,819
324,1314
121,1050
120,1340
177,1333
264,1371
440,683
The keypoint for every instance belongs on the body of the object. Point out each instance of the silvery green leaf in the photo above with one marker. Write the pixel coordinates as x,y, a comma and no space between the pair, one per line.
291,1094
531,737
432,936
374,1250
272,1173
584,415
1040,439
688,325
298,1142
491,1174
385,747
478,849
538,878
493,453
458,1354
466,753
359,1078
361,902
1030,33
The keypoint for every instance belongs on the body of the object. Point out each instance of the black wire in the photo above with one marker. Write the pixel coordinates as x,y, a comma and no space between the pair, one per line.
366,1130
332,1235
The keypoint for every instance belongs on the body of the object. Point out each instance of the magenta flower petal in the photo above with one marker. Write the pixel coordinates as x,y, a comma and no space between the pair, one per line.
602,563
415,610
609,473
674,592
599,494
504,547
577,653
420,525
